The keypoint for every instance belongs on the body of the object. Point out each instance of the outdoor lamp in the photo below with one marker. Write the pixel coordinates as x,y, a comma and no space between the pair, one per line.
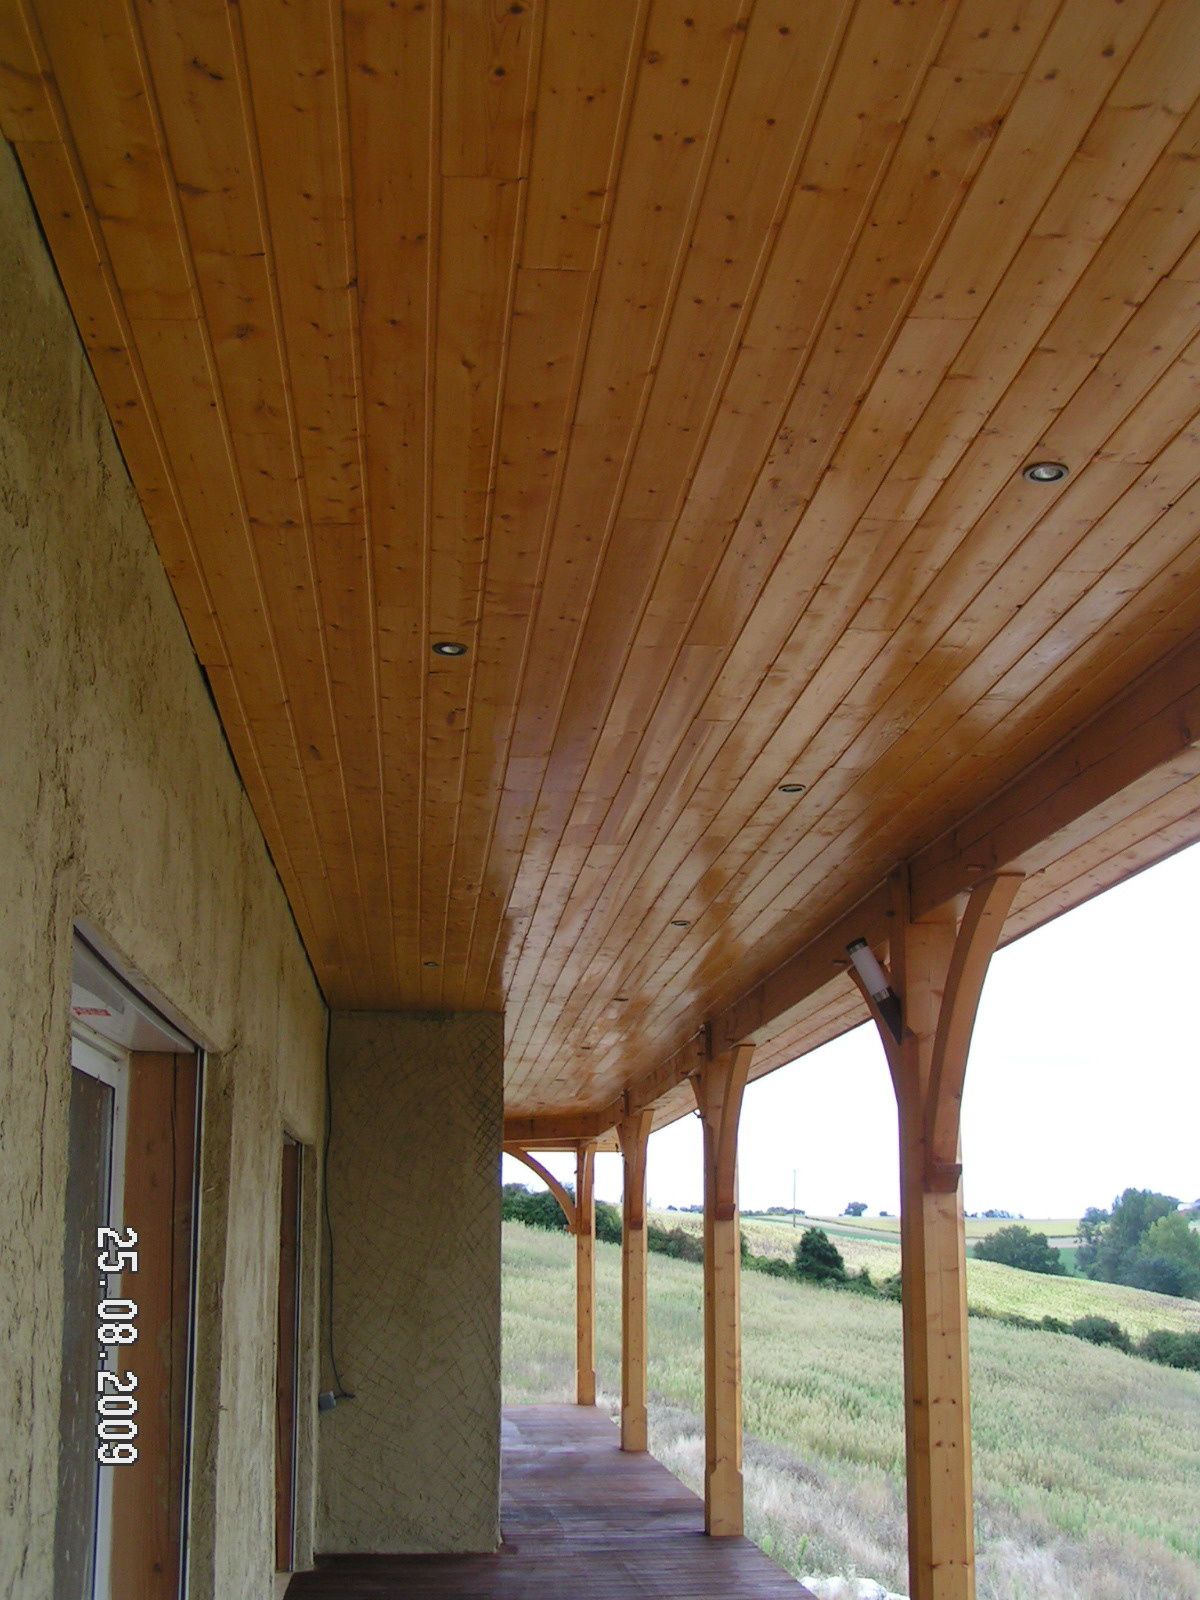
875,982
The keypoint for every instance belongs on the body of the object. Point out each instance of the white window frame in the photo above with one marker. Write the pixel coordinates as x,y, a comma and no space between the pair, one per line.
99,1058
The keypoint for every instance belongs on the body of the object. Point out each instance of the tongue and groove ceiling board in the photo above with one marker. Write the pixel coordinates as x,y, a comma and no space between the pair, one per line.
680,357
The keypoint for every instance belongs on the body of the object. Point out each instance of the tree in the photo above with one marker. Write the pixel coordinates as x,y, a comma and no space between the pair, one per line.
855,1208
818,1259
1018,1246
1160,1275
1172,1242
1090,1237
1110,1242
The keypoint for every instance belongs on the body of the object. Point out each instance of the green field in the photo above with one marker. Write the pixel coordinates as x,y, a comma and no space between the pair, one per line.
990,1286
1058,1229
1086,1460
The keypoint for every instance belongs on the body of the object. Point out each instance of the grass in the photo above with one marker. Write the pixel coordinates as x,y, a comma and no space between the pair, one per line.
1086,1460
990,1286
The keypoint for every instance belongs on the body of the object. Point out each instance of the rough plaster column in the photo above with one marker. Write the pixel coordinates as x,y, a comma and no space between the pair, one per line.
413,1462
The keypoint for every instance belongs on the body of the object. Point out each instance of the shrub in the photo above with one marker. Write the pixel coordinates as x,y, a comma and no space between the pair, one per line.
860,1283
536,1210
608,1222
1017,1246
676,1242
1172,1349
773,1266
818,1259
1101,1330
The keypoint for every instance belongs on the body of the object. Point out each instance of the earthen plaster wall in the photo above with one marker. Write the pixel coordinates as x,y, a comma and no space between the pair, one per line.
119,803
412,1463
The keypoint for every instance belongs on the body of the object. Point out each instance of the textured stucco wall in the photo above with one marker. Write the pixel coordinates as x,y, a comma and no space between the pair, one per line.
413,1463
119,803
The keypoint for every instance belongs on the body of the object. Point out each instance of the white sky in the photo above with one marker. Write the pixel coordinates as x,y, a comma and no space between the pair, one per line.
1084,1078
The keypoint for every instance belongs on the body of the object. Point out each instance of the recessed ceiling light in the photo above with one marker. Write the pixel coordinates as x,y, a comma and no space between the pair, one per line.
449,647
431,963
681,922
621,997
1045,471
792,788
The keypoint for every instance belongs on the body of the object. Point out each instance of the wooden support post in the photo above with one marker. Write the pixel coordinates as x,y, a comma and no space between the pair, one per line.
939,962
585,1276
633,1132
719,1086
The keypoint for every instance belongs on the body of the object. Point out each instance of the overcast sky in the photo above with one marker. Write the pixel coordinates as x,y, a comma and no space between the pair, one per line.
1084,1078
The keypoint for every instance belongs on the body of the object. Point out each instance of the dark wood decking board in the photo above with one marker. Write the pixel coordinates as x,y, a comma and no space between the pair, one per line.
580,1520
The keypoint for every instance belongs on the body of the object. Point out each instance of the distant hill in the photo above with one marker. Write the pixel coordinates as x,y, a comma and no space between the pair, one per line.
870,1242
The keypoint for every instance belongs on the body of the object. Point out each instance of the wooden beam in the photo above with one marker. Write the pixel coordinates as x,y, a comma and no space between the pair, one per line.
159,1157
765,1008
562,1130
558,1190
633,1131
673,1072
719,1086
938,965
585,1276
1156,720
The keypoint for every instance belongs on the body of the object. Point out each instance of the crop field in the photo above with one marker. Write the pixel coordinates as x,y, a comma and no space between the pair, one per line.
1059,1230
990,1286
1086,1460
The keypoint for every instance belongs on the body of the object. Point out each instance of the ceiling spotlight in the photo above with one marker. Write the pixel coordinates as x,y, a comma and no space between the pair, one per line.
620,998
449,647
1045,471
792,788
430,963
680,922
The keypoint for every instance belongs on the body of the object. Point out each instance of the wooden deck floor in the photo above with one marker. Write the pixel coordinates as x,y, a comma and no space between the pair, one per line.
579,1519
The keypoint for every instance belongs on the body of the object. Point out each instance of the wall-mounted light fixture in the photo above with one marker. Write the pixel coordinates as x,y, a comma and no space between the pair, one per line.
1045,471
449,647
875,982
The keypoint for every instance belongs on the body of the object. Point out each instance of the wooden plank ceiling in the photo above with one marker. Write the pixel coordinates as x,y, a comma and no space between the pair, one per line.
680,358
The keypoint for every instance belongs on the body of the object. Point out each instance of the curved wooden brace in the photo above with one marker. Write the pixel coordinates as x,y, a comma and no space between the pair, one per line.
719,1087
891,1047
633,1135
974,946
561,1194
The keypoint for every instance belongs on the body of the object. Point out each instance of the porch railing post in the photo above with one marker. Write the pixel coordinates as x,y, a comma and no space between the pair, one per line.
585,1277
633,1133
719,1086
